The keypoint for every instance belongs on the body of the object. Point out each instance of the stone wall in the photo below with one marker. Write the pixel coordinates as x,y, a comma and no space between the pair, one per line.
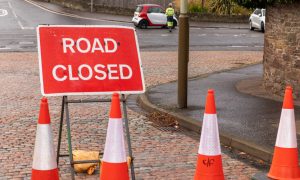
282,48
130,4
109,4
202,17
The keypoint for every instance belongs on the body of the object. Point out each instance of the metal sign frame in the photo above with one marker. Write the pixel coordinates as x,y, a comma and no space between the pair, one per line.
65,111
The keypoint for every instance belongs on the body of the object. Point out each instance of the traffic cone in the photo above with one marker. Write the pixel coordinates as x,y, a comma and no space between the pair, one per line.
44,166
114,163
285,157
209,163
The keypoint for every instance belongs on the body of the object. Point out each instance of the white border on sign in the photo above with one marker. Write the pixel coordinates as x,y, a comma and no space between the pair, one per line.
88,93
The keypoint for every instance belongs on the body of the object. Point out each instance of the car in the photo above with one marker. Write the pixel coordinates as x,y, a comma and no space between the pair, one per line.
257,19
151,15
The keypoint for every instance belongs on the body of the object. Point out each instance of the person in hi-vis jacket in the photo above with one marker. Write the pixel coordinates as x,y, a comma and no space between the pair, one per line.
170,13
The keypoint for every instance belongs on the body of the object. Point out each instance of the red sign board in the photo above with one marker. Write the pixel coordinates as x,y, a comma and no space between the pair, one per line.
89,60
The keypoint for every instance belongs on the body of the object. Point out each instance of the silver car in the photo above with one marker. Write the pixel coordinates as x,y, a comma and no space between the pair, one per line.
257,20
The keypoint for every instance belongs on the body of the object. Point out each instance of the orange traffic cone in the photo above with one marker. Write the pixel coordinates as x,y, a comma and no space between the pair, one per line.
114,163
209,164
285,157
44,164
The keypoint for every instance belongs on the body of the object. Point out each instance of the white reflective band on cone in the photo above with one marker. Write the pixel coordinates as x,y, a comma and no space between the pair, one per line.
114,151
44,157
286,136
209,141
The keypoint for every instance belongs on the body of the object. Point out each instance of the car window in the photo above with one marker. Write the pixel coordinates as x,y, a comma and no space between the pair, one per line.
150,10
160,10
139,9
257,11
263,12
155,10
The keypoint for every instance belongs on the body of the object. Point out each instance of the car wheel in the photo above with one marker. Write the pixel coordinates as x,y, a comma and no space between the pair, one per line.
250,25
143,24
262,27
174,24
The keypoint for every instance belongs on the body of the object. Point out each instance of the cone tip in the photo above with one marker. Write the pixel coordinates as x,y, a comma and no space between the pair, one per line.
44,100
210,106
115,109
44,116
288,98
115,95
210,91
289,88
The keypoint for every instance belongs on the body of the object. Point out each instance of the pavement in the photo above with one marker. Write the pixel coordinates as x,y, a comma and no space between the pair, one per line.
160,152
248,115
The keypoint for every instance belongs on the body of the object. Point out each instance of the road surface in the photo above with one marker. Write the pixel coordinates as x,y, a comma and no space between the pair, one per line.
20,18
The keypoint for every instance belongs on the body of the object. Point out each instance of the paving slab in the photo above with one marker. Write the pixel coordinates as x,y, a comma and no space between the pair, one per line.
160,153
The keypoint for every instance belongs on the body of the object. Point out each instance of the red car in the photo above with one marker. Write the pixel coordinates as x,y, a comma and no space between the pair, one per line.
151,15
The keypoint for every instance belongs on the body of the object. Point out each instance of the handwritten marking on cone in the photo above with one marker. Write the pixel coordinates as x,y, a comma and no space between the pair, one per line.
208,162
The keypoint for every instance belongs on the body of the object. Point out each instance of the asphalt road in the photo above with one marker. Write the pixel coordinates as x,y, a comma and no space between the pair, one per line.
19,18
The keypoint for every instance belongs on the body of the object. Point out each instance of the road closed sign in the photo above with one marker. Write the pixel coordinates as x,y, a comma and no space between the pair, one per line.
89,60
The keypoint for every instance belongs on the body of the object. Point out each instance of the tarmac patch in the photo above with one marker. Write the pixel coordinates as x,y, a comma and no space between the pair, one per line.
163,121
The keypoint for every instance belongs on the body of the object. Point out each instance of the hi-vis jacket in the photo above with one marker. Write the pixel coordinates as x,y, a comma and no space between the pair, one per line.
170,11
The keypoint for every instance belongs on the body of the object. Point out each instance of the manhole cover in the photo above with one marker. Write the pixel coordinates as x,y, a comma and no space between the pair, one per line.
3,12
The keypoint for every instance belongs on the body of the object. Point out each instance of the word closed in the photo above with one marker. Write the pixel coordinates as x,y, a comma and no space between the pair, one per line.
83,60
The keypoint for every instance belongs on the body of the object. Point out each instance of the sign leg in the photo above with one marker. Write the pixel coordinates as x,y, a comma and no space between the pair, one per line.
60,129
128,137
69,138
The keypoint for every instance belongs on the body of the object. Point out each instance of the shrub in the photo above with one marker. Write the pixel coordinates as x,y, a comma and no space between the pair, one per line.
194,7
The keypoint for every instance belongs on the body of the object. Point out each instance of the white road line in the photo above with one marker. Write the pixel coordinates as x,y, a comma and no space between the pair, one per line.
202,35
22,27
5,48
237,46
164,35
9,4
15,15
3,12
30,28
28,35
24,43
20,24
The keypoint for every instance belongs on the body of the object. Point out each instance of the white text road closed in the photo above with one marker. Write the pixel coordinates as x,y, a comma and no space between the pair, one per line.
86,72
80,60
